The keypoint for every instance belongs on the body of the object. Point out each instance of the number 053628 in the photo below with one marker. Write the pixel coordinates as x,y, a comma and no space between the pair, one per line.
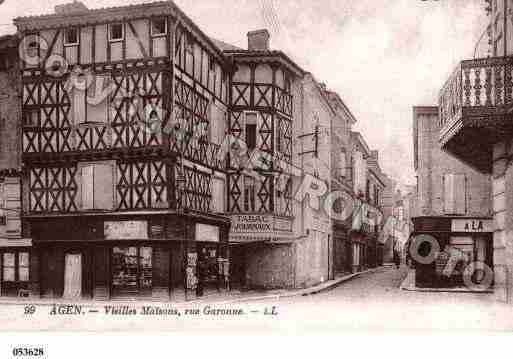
28,352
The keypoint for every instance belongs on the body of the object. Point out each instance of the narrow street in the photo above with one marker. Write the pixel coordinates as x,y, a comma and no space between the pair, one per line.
370,302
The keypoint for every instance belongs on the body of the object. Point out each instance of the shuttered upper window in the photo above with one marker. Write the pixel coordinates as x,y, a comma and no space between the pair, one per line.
97,187
218,195
455,194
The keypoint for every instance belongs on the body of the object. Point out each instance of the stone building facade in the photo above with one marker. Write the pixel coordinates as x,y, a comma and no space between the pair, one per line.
14,248
452,197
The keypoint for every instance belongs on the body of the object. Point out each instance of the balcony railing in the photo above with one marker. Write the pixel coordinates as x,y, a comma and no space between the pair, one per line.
478,96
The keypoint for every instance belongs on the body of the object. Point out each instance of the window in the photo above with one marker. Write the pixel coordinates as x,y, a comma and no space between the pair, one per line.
71,37
31,118
218,123
116,32
3,219
97,99
158,27
249,194
132,269
4,64
342,164
455,194
251,130
218,195
15,267
189,44
97,187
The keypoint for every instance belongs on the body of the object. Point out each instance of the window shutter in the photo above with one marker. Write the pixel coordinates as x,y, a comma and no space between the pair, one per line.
87,187
218,195
454,194
103,187
217,124
343,164
460,194
79,105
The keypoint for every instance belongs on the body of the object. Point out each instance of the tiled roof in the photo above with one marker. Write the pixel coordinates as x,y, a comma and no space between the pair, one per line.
252,54
112,14
225,46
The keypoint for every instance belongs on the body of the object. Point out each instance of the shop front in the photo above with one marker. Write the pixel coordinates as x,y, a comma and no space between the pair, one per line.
463,247
163,257
259,251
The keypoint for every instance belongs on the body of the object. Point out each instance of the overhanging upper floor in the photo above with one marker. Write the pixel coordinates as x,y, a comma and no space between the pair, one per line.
476,109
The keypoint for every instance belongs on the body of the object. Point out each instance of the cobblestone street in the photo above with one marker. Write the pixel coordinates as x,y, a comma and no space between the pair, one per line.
372,301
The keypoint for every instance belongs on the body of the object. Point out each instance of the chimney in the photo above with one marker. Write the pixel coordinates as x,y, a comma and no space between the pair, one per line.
76,7
258,40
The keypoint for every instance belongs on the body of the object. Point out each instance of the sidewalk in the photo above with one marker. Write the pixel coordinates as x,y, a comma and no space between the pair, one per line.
409,285
231,297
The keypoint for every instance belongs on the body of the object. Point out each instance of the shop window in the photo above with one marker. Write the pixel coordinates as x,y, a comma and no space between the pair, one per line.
158,27
97,187
116,32
71,37
251,130
15,267
132,269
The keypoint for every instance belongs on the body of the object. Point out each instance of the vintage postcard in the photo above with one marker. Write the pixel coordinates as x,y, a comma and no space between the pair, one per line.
255,165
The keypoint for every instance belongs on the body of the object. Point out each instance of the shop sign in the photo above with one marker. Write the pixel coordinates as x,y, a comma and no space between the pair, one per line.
126,230
472,225
207,233
284,225
260,224
252,223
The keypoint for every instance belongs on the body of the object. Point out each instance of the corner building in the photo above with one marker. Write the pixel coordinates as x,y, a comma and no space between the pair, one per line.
475,127
115,210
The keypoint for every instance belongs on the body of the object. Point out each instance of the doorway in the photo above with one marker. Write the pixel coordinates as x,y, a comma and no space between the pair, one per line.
73,276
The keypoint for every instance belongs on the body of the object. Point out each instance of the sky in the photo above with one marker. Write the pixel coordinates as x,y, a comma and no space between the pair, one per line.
382,56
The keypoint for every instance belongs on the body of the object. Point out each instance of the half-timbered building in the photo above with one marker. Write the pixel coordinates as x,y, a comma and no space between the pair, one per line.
259,186
124,110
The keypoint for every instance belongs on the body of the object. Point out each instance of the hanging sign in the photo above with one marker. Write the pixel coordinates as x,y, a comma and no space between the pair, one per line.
126,230
472,225
207,233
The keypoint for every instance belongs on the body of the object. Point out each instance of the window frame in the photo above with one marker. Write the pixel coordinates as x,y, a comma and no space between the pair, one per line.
17,254
32,111
152,28
246,123
109,30
95,166
77,31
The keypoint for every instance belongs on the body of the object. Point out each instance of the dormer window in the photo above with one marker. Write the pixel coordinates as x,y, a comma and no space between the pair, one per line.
159,27
116,32
71,37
